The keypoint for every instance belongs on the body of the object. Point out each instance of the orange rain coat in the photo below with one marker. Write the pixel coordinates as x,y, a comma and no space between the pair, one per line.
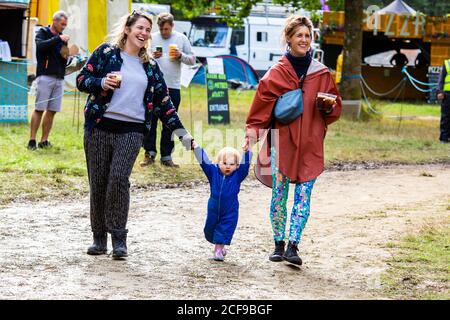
300,143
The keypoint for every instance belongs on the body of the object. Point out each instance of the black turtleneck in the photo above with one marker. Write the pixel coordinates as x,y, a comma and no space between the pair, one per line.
300,64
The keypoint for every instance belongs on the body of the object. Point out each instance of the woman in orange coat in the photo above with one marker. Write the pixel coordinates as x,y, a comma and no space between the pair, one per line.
292,153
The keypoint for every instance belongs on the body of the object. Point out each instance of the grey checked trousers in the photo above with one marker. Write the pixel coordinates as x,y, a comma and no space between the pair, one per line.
110,158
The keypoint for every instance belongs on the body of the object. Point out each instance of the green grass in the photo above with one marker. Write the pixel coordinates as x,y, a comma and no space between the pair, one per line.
61,171
409,109
420,268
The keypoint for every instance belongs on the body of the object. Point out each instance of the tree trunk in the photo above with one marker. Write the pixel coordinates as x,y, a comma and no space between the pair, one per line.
351,69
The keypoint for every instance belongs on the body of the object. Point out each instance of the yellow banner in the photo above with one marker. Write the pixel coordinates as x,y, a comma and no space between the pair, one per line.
96,23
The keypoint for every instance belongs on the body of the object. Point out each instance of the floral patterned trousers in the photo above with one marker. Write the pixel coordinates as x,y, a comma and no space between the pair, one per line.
278,211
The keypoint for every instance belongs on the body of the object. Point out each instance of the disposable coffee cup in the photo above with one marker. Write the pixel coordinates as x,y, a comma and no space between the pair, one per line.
172,51
118,77
328,99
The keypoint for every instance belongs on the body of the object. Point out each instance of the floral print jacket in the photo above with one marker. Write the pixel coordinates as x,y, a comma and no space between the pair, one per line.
105,59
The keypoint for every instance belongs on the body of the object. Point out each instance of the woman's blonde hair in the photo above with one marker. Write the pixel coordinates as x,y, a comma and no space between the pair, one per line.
292,23
118,37
228,151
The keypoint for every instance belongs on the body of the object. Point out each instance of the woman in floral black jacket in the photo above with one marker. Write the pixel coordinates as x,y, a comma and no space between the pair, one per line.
126,89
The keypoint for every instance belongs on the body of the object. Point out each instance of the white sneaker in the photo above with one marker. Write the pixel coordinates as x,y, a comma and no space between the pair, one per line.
218,255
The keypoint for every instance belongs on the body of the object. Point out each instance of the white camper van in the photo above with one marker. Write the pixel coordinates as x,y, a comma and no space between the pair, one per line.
258,42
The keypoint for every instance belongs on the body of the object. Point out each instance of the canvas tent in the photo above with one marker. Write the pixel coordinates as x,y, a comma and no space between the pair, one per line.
383,59
236,70
397,7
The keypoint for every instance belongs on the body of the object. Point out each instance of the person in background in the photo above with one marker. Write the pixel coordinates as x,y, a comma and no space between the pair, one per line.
444,96
399,58
50,71
176,49
421,60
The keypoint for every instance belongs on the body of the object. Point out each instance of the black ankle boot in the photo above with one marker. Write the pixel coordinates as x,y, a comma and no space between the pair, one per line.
100,244
291,254
277,255
119,242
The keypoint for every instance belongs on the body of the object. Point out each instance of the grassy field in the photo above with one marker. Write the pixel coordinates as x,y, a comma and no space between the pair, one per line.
410,109
420,267
61,171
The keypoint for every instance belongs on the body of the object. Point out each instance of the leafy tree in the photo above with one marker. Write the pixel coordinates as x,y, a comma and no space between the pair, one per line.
233,11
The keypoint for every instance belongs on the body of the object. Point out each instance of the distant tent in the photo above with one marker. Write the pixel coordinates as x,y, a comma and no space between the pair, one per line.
235,69
383,59
397,7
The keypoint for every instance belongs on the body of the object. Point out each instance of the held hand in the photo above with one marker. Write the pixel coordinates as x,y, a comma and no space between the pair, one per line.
157,54
320,104
177,53
330,109
110,82
64,37
195,145
187,141
324,106
440,96
246,144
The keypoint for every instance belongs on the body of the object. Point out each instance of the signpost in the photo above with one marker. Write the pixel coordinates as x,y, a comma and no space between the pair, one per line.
217,92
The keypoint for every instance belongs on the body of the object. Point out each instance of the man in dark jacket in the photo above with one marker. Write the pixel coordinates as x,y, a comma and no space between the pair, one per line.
399,58
444,96
51,55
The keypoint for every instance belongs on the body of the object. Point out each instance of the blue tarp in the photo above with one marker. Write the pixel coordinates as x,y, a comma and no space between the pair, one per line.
235,69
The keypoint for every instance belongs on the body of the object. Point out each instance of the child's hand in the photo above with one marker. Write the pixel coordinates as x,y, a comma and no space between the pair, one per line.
187,141
195,145
246,144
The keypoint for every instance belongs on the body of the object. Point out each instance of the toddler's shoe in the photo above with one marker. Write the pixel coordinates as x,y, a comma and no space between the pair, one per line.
218,255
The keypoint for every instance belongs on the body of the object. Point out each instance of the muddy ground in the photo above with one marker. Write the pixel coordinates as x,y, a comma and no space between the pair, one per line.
355,214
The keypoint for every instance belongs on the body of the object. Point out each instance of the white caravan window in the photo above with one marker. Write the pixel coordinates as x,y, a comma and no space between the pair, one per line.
261,36
209,36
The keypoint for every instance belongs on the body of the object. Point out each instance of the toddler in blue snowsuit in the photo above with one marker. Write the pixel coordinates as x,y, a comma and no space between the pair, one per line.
225,179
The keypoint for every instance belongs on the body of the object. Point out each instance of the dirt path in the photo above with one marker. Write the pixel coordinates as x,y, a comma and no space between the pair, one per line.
354,215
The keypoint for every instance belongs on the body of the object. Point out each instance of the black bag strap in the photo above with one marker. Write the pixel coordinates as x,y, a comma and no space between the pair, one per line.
302,79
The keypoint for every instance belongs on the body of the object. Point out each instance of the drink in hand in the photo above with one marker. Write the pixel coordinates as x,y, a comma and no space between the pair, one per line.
118,77
173,51
325,100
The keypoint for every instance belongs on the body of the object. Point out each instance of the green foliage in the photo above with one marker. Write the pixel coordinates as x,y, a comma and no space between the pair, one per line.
336,5
234,11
